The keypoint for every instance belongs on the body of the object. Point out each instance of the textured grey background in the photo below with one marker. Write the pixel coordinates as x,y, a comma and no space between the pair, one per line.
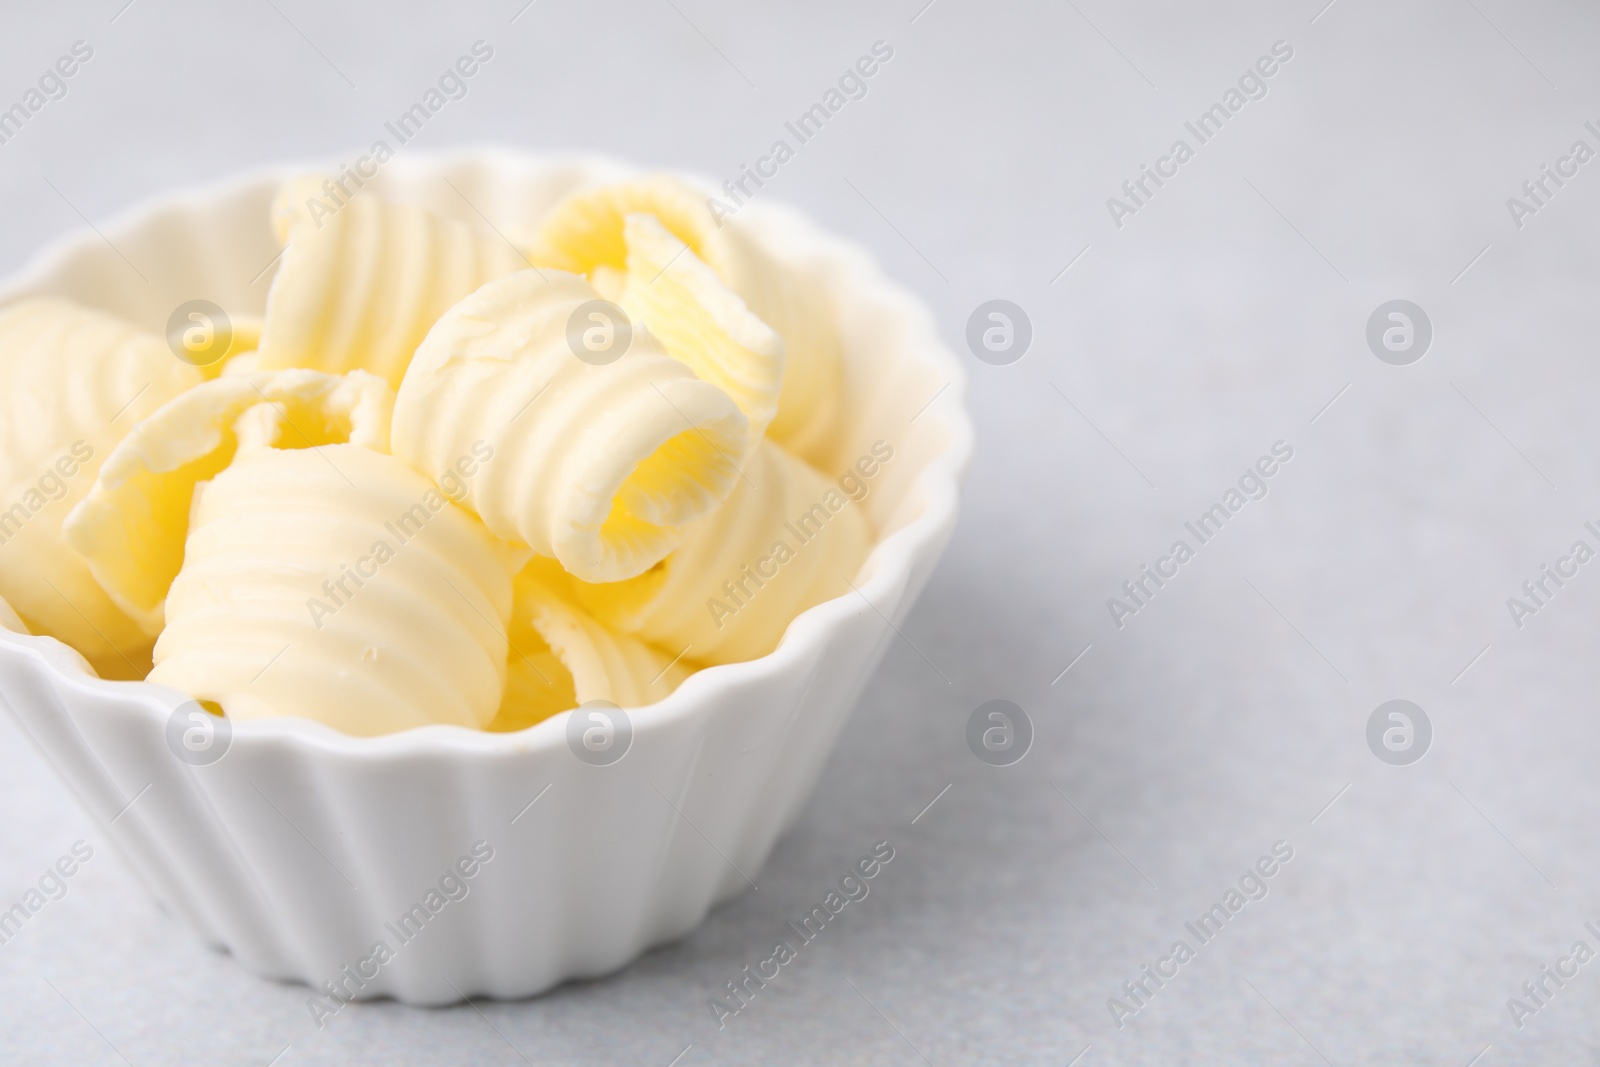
1225,716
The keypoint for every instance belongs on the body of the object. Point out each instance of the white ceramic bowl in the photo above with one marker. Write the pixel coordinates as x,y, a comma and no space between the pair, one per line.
297,847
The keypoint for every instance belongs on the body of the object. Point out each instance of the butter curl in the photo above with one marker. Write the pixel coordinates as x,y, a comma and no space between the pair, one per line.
131,526
601,466
335,583
361,282
786,540
700,321
562,657
587,234
73,381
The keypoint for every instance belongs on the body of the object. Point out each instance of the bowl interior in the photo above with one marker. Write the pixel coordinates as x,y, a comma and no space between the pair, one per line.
902,386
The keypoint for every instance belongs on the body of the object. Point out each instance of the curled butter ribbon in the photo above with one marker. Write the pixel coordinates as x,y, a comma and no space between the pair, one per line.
336,583
786,540
700,322
562,657
588,233
601,465
73,381
358,288
131,526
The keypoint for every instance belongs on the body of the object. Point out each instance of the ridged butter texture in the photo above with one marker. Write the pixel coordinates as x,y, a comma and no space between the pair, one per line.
561,656
730,591
132,524
585,234
701,322
264,619
339,526
359,286
601,467
73,381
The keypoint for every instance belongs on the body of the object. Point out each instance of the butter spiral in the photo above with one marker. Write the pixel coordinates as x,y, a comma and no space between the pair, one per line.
600,466
361,282
562,657
131,526
336,583
786,540
701,322
586,234
73,381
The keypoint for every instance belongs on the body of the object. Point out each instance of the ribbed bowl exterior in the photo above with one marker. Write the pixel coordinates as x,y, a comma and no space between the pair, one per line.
302,849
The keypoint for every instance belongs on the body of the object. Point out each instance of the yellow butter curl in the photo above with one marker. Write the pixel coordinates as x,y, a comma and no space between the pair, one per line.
587,234
361,282
336,583
599,465
73,381
700,321
132,524
561,656
786,540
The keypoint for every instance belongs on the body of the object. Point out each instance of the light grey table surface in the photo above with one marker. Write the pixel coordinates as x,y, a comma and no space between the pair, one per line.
1228,313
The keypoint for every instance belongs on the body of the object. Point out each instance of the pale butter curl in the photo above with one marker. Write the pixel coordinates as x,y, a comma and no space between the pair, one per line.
131,526
562,657
586,234
601,466
700,321
73,381
336,583
786,540
361,282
